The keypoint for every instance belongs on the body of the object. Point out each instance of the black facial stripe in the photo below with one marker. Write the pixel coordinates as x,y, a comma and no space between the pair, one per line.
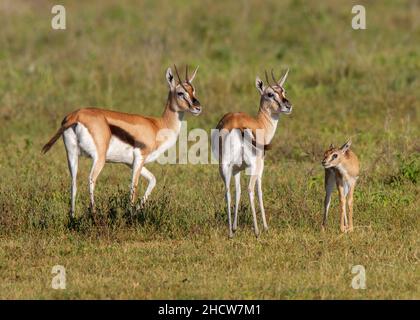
195,102
278,103
189,105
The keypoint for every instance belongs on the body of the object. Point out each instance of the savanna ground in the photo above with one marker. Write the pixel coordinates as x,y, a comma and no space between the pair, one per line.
343,83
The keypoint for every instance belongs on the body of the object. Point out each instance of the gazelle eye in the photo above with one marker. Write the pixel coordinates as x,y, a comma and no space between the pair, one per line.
270,95
180,94
334,156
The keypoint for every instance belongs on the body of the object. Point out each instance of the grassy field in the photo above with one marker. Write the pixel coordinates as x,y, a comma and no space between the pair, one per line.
343,83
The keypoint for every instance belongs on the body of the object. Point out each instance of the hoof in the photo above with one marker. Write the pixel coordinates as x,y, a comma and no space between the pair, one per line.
231,235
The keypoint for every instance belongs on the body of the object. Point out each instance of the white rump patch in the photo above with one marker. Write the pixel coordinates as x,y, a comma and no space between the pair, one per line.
85,141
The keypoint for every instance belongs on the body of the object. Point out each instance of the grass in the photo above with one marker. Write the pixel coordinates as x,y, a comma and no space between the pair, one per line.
343,83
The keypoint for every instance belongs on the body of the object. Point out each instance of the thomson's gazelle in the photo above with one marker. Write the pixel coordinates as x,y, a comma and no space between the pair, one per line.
236,152
109,136
341,168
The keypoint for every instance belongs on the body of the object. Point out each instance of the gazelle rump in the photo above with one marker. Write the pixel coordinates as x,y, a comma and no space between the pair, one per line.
135,140
235,154
341,168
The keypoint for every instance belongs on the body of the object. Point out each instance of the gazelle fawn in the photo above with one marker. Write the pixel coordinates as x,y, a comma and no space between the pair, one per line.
341,168
239,143
135,140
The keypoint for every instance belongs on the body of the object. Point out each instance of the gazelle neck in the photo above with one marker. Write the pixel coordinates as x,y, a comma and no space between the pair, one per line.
268,122
172,118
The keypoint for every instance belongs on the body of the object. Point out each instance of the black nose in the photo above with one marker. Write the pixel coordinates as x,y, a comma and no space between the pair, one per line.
287,103
195,102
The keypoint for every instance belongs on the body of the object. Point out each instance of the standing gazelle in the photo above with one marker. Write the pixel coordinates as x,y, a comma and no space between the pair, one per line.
341,168
109,136
235,153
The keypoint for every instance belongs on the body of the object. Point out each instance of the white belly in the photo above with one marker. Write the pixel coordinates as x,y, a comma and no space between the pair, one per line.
119,151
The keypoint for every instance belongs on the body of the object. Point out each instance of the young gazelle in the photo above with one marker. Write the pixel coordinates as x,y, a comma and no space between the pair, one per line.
236,153
109,136
341,168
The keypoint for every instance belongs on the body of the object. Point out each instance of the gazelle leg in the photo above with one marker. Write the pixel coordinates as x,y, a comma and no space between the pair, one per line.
329,187
237,177
152,183
342,196
260,201
350,203
137,167
72,149
73,165
226,175
98,164
346,192
251,189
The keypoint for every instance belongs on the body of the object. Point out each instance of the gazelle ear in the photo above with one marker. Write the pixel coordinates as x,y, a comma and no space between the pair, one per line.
260,85
345,146
332,146
170,79
193,75
283,79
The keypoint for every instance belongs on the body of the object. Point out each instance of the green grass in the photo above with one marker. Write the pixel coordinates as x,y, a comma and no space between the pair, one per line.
343,83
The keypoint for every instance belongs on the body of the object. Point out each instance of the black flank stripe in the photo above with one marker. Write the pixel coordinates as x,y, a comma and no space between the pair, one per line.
126,137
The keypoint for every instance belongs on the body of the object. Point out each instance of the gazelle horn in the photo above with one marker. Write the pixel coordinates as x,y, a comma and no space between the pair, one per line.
179,78
186,73
272,76
268,82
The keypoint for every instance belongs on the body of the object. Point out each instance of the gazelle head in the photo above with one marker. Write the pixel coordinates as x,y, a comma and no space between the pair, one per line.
334,156
273,96
182,94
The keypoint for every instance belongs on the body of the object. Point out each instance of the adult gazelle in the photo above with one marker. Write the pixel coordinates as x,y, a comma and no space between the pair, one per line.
239,143
135,140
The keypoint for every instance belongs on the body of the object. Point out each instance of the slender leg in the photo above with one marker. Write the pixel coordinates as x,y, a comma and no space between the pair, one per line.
341,193
329,187
237,176
227,174
137,167
97,167
251,188
346,191
73,165
260,201
72,149
350,203
152,183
